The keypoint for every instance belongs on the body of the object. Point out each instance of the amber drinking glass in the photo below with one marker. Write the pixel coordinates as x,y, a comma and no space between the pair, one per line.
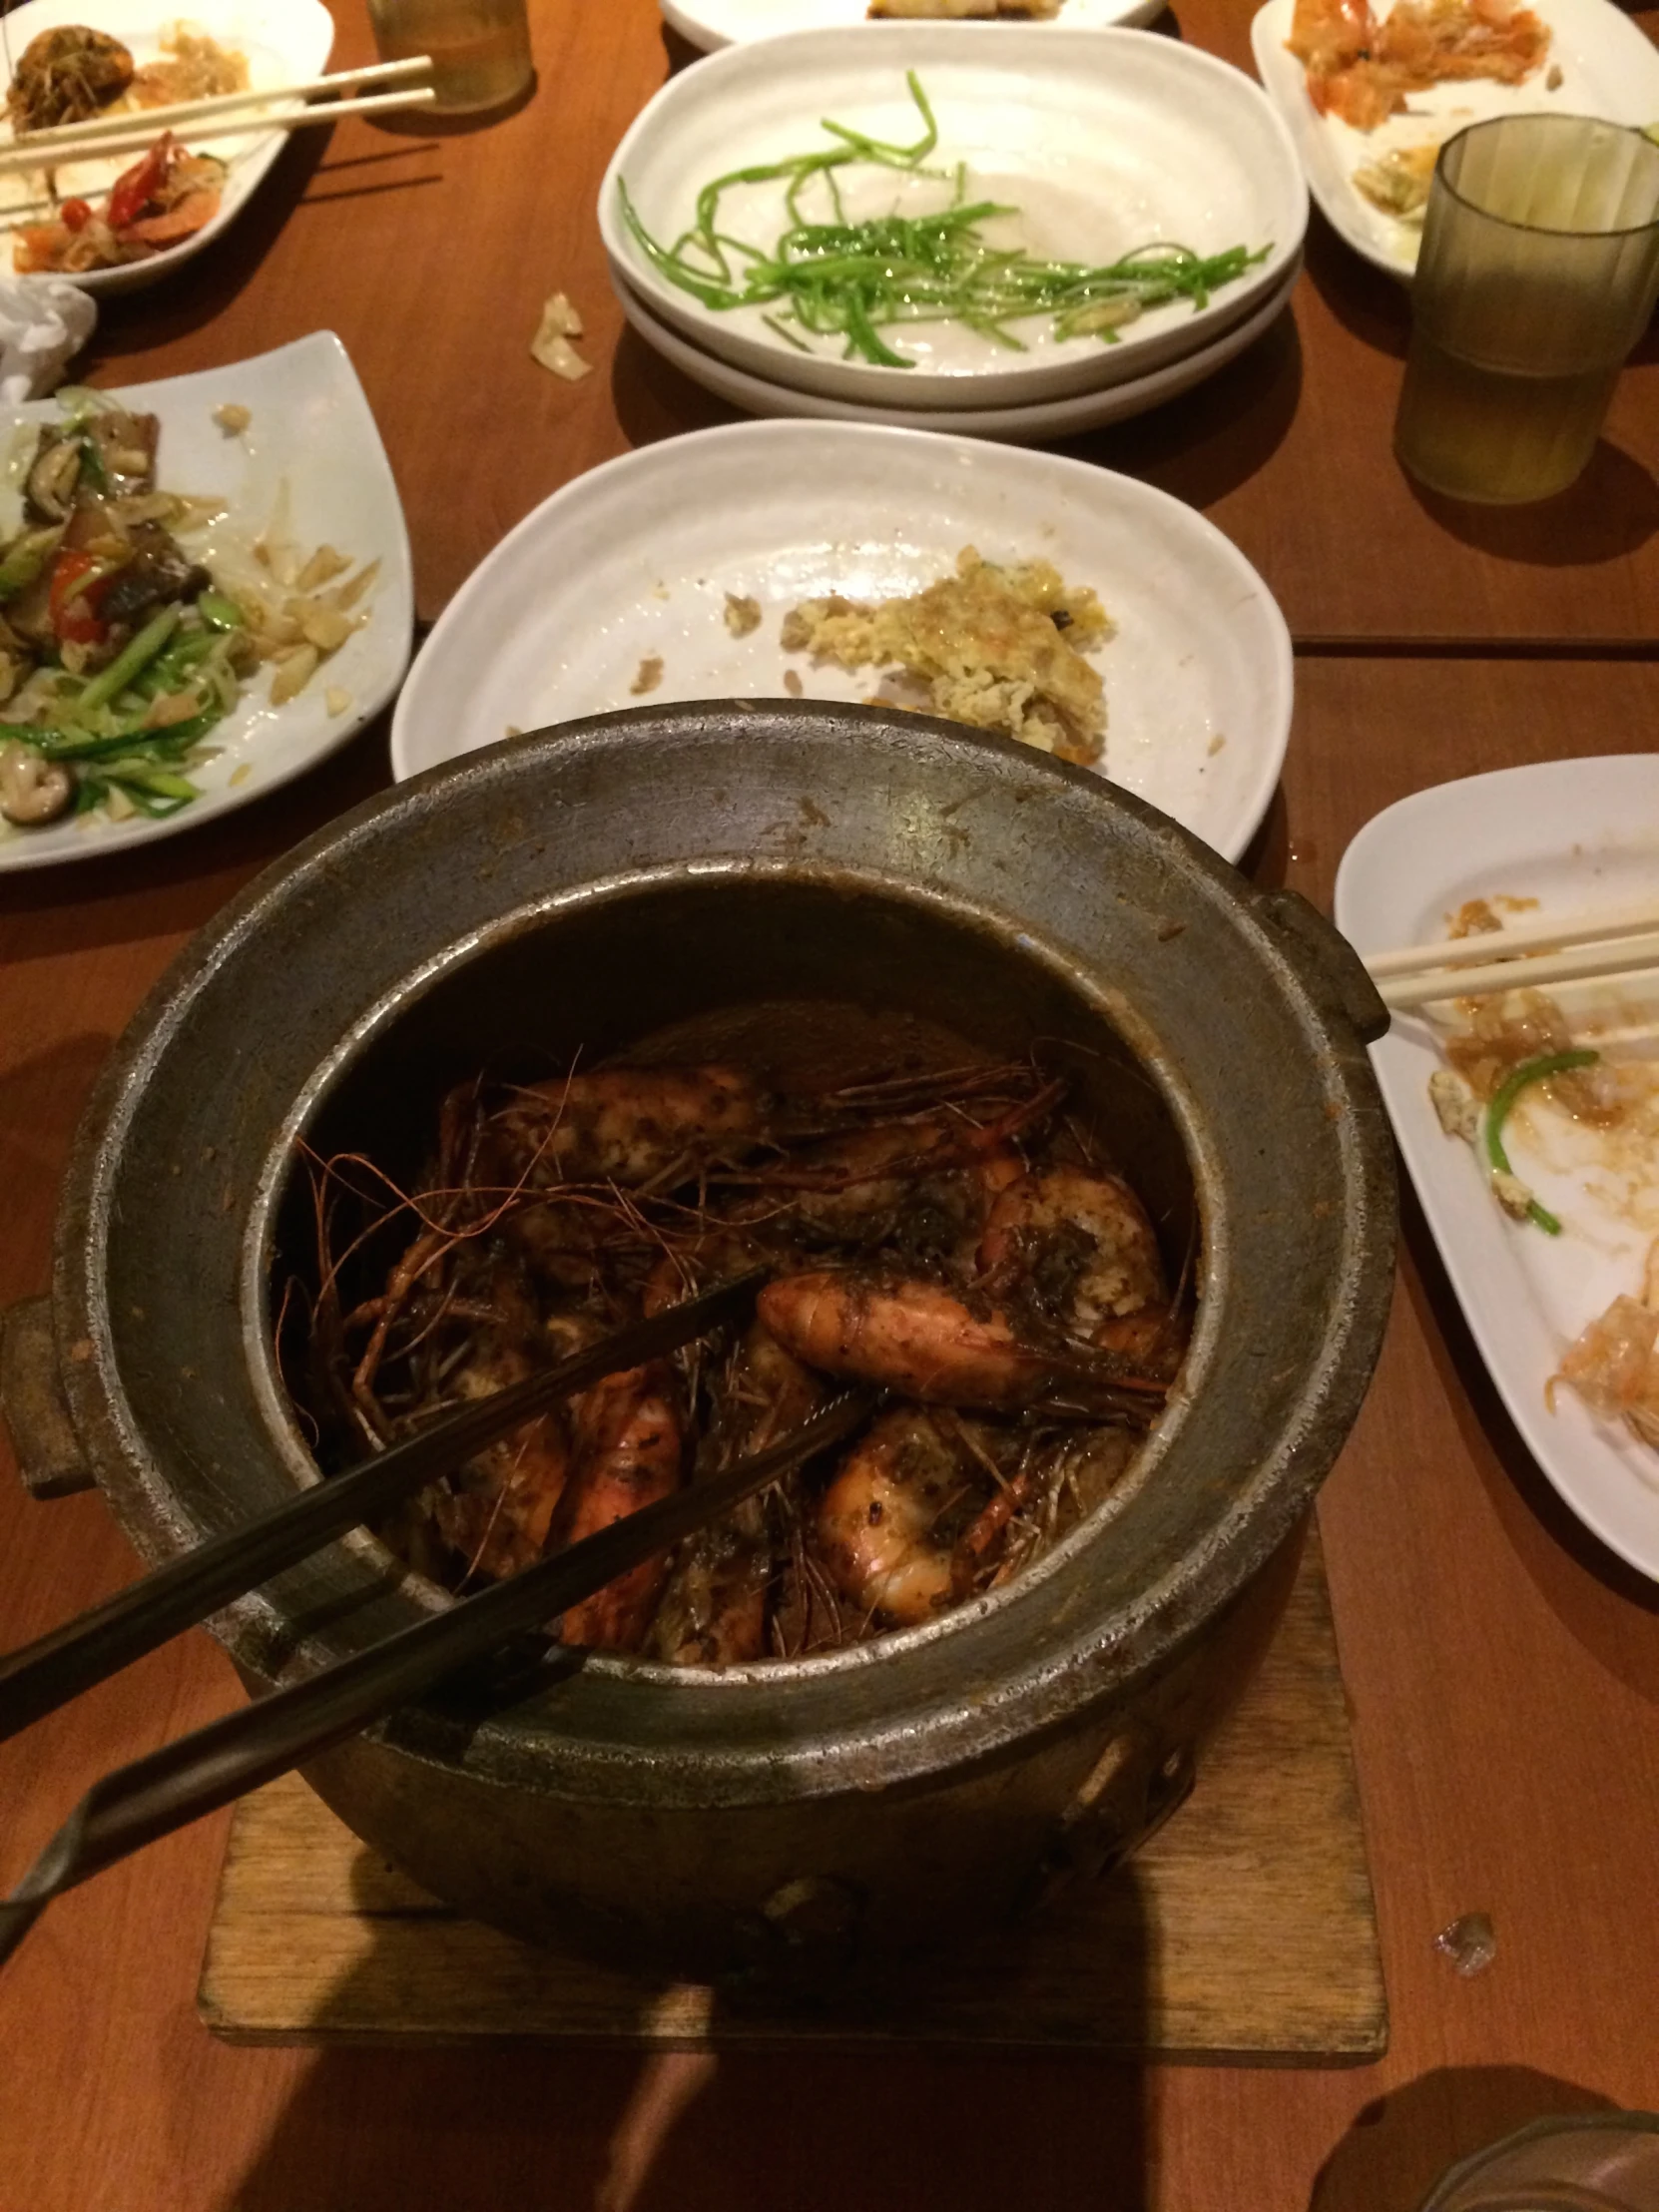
480,49
1538,273
1585,2162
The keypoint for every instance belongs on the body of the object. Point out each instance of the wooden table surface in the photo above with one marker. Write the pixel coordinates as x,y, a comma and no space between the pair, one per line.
1503,1669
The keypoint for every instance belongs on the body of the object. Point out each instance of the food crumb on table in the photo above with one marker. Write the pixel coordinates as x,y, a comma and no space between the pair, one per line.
551,344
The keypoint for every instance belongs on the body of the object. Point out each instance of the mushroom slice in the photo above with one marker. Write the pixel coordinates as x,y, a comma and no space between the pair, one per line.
54,472
33,789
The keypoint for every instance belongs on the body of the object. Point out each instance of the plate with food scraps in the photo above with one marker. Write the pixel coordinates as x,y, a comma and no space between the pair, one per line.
1043,420
711,24
1526,844
127,221
975,222
776,560
257,614
1572,57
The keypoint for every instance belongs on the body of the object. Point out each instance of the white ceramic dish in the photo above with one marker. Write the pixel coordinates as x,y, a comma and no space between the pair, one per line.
1570,834
1034,426
711,24
1608,69
1105,140
313,441
634,561
283,40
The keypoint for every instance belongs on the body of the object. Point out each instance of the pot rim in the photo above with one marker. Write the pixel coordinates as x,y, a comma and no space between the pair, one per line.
998,1715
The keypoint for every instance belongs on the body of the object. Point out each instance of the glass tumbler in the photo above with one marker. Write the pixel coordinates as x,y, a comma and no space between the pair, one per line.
480,49
1582,2163
1538,272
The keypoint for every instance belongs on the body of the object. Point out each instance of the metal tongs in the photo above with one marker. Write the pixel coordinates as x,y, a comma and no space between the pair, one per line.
245,1749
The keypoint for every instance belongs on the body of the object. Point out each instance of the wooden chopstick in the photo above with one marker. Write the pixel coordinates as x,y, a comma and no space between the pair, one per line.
1522,936
217,103
297,119
1628,960
245,1749
101,1641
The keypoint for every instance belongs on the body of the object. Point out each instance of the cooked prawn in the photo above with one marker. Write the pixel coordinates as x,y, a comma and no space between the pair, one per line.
629,1443
1361,68
877,1521
625,1125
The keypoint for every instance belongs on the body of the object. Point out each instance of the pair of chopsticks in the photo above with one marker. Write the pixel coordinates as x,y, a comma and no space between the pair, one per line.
1617,944
245,1749
137,130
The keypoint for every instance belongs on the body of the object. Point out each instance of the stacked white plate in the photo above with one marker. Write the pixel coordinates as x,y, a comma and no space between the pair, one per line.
1099,142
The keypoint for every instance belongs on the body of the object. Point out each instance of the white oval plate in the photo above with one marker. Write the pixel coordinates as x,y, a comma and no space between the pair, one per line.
1608,69
1033,425
1106,139
1572,835
313,438
634,561
711,24
284,40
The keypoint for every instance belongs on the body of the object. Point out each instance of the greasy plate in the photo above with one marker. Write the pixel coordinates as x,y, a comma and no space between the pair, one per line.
1035,424
711,24
283,40
1608,69
1104,140
632,563
312,442
1571,835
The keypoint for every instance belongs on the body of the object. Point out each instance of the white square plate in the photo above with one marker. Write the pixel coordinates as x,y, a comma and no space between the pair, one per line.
283,40
311,440
1574,835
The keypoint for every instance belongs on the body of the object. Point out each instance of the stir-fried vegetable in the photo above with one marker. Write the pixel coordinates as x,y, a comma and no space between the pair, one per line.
1504,1099
853,279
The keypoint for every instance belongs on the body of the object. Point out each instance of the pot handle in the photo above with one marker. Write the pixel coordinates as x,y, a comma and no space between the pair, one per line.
32,1402
1327,960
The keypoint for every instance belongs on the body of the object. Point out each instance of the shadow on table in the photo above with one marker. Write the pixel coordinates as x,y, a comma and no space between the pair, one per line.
1573,1570
1215,436
559,2127
1399,2146
1612,510
656,400
1370,306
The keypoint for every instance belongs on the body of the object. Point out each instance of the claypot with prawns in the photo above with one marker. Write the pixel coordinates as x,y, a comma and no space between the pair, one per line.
1119,1242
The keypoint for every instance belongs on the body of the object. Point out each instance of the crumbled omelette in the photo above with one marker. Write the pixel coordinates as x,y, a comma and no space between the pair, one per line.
996,647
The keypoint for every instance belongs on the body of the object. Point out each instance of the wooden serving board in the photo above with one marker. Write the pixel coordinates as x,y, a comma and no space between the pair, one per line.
1245,1928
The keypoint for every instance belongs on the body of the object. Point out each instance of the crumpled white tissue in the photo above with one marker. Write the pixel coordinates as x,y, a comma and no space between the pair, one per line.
44,322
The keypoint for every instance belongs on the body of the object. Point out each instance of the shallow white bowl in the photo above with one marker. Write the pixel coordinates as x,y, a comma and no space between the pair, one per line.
283,40
634,561
312,443
1572,835
1105,140
1608,69
1041,423
712,24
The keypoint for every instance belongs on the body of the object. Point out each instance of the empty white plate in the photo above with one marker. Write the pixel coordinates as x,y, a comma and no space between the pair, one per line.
283,40
1600,62
1038,424
631,565
1104,141
711,24
310,462
1573,835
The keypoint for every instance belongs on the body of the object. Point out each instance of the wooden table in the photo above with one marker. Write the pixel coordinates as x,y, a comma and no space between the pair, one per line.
1504,1671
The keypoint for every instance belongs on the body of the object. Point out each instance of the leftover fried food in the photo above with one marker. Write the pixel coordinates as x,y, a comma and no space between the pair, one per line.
165,198
1361,66
1398,183
997,648
66,75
